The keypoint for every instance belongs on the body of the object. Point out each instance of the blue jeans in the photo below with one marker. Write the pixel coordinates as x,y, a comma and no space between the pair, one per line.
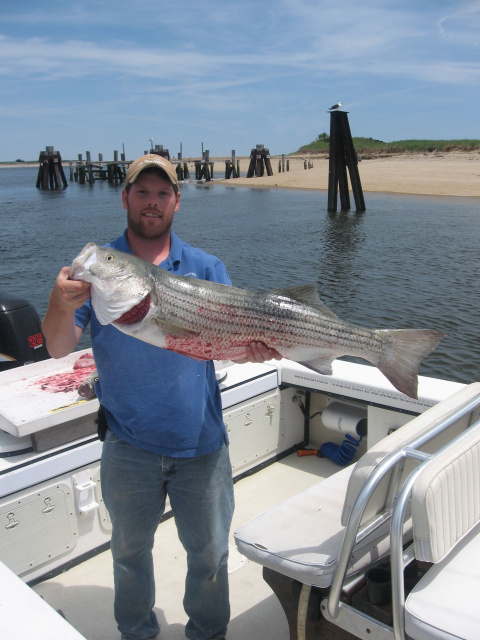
135,483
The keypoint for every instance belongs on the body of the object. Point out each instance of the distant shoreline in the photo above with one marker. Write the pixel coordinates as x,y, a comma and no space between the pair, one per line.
453,173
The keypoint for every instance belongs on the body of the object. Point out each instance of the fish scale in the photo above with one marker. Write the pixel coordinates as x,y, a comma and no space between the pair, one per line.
207,320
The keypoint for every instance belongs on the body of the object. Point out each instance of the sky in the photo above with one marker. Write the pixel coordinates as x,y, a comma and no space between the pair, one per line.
220,76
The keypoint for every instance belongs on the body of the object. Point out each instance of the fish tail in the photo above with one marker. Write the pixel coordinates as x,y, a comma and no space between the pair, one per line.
400,361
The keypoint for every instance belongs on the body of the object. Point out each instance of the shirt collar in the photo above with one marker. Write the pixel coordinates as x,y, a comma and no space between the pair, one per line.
174,257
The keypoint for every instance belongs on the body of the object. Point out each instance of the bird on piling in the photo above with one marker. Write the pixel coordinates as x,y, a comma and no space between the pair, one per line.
335,107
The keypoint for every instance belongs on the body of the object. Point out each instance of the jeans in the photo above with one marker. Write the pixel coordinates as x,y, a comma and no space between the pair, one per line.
135,483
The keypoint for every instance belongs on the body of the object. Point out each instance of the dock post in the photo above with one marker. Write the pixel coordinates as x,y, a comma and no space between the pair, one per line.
50,170
203,167
89,167
160,151
259,162
342,155
232,168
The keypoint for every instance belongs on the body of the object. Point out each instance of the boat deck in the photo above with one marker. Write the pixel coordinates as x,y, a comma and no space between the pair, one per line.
84,593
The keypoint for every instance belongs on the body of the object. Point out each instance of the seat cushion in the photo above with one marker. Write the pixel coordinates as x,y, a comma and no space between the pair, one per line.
400,438
446,498
444,604
301,538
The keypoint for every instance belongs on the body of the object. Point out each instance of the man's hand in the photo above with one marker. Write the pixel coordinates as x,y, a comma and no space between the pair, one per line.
259,352
69,294
58,326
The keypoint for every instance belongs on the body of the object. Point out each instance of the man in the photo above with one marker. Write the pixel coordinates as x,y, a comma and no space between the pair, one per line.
165,430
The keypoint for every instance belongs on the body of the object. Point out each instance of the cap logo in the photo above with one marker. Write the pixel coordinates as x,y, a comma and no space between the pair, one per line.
152,162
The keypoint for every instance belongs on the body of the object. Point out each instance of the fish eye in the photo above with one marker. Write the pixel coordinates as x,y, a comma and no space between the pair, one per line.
109,257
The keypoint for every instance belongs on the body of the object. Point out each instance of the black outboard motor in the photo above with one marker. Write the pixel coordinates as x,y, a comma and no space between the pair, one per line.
21,339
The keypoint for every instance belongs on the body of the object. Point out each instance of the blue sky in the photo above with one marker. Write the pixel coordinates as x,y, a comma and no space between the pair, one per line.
95,75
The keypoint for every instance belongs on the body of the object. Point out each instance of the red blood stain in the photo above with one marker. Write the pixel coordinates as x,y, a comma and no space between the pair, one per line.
69,381
84,361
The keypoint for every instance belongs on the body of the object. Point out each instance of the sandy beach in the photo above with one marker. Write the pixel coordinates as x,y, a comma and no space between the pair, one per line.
440,174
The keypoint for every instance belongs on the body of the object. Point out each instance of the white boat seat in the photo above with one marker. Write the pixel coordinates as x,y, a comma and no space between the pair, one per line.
302,537
445,507
24,614
444,604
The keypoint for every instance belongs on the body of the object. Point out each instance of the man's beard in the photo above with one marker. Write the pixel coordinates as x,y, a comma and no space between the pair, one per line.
142,231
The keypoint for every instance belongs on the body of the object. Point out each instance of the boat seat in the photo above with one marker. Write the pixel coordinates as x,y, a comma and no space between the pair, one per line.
302,537
445,508
24,614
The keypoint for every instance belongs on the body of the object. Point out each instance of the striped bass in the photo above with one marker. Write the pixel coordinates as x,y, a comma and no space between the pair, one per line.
210,321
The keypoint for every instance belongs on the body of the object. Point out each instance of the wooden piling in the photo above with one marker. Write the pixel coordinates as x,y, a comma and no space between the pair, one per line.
342,155
90,171
204,168
50,170
232,169
259,162
160,151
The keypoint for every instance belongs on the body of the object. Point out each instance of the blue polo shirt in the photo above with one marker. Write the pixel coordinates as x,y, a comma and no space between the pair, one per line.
157,399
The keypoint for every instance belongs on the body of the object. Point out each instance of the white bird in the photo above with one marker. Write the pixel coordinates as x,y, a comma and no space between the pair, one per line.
335,107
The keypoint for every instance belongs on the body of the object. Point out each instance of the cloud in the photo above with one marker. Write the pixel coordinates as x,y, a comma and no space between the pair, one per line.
272,68
461,26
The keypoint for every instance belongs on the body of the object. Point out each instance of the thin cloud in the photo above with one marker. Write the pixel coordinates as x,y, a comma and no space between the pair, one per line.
269,68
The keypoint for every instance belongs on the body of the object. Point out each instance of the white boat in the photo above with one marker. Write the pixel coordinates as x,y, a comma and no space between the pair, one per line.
305,528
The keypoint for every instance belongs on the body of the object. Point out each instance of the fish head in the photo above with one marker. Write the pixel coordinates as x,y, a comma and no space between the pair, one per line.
119,281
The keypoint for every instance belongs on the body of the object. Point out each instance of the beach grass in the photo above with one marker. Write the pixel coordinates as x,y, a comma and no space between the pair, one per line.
364,145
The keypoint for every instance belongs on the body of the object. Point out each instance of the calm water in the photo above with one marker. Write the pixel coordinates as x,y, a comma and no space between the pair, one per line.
408,261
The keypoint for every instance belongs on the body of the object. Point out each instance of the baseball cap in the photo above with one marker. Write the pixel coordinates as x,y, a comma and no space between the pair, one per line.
147,162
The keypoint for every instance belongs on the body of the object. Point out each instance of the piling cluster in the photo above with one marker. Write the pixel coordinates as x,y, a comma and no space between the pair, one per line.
259,162
342,155
50,170
90,171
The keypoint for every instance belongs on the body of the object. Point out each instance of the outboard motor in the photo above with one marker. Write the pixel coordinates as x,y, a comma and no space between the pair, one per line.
21,339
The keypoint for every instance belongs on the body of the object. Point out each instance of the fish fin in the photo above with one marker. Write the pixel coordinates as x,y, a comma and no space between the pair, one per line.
320,365
401,361
307,294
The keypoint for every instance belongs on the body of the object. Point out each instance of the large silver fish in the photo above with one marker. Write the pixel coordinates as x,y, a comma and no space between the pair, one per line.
211,321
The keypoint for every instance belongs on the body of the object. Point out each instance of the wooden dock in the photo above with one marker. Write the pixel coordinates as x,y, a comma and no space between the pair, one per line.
90,171
115,171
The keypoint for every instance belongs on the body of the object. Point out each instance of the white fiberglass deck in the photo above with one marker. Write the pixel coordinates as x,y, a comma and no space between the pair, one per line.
85,592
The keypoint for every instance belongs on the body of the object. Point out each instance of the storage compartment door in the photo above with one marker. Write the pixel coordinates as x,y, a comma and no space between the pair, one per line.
37,527
254,431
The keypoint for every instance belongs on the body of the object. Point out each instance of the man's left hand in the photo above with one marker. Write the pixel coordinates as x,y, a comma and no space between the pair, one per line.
259,352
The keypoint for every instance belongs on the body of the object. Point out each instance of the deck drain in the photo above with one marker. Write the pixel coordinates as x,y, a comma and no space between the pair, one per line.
235,559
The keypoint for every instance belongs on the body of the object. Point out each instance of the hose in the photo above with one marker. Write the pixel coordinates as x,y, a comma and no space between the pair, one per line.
341,454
